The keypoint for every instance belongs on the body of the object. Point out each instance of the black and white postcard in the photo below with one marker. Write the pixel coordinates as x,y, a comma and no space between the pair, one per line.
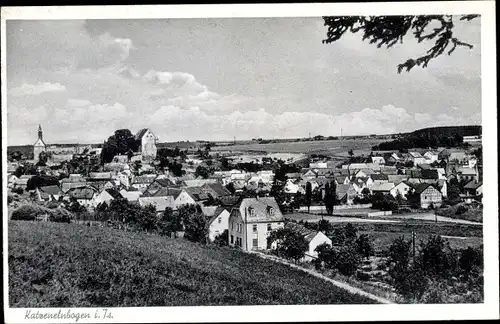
272,162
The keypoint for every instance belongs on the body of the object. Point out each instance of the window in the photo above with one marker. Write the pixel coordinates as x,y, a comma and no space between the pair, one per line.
232,239
254,228
251,211
269,227
270,210
425,197
232,226
220,220
255,242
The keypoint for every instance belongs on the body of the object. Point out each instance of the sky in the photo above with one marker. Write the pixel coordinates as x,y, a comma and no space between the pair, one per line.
216,79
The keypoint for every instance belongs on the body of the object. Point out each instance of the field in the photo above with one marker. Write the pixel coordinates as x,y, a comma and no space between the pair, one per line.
384,231
68,265
327,147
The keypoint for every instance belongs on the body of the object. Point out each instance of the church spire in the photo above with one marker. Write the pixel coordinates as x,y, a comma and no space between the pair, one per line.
40,132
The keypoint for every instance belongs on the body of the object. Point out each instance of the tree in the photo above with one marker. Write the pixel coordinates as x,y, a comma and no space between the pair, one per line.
42,158
121,142
195,227
324,226
230,187
278,192
330,196
389,30
348,260
308,195
16,156
147,218
351,233
289,243
202,171
453,191
327,256
363,246
170,222
222,239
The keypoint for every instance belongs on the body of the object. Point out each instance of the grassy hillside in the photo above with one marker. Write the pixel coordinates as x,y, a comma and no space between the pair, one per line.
68,265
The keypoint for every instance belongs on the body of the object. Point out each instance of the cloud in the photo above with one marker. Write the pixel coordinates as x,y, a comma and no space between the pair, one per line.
35,89
78,102
105,51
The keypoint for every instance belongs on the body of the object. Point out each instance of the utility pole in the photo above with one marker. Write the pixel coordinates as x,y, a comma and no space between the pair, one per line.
413,241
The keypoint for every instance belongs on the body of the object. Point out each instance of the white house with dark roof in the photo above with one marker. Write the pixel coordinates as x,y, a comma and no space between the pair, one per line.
84,195
251,220
312,238
378,159
49,193
147,146
416,158
218,223
160,203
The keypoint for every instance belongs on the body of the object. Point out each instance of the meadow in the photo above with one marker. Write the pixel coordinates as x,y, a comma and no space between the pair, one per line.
69,265
326,147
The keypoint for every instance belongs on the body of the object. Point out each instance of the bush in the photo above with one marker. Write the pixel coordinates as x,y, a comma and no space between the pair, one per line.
18,190
29,212
348,260
222,239
60,215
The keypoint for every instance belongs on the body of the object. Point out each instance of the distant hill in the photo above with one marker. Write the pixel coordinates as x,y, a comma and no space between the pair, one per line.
445,136
82,266
470,130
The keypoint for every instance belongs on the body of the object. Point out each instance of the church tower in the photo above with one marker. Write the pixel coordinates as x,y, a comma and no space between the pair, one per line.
40,132
39,146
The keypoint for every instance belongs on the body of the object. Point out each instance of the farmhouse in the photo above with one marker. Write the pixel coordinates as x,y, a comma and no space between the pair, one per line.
426,195
251,220
22,182
218,223
49,193
474,188
73,181
378,159
384,188
84,195
106,196
346,193
312,238
416,158
131,196
401,189
291,187
160,203
467,174
143,181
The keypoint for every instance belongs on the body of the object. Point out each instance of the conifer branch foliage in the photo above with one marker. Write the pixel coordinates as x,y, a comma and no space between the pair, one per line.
389,30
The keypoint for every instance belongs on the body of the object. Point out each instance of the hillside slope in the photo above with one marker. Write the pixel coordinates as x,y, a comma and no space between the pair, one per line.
68,265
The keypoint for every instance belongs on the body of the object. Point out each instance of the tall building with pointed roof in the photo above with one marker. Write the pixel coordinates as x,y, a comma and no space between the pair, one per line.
147,145
39,145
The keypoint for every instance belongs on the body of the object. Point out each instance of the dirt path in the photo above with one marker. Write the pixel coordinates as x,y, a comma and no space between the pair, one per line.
342,285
